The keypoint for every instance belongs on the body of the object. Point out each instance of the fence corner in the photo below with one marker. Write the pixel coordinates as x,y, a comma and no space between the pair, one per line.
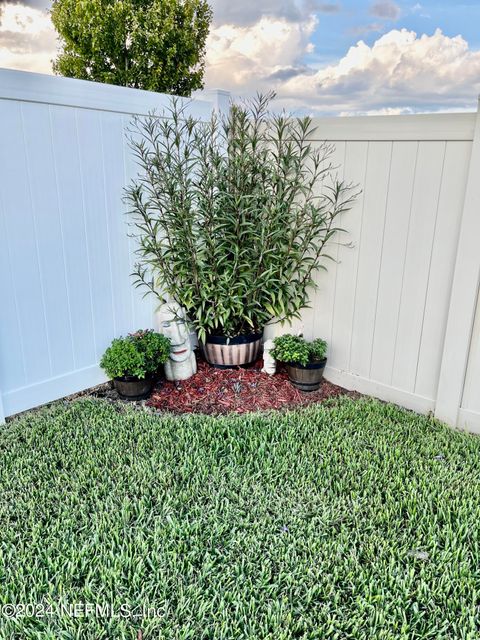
463,299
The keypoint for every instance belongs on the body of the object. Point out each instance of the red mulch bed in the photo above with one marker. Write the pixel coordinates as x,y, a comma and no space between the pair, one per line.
218,391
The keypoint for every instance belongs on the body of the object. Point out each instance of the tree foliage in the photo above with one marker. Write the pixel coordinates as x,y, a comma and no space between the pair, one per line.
230,215
157,45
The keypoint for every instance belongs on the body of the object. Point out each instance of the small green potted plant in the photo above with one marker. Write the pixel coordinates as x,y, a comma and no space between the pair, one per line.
133,362
305,361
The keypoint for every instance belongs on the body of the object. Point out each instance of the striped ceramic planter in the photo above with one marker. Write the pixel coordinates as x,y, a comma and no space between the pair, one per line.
223,352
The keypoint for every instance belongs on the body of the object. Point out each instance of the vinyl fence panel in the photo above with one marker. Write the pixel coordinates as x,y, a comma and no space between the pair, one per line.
393,289
384,307
65,256
399,307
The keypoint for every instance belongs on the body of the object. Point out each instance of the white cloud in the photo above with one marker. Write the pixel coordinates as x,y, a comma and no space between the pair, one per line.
243,13
322,7
386,9
243,58
385,111
418,8
367,28
27,38
37,4
400,71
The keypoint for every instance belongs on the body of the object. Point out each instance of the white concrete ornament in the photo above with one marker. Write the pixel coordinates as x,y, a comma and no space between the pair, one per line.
269,364
171,321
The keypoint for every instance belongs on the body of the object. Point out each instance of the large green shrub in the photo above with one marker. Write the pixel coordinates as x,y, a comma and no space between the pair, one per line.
139,354
230,216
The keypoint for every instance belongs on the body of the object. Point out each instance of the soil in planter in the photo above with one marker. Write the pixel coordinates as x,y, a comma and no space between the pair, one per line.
219,391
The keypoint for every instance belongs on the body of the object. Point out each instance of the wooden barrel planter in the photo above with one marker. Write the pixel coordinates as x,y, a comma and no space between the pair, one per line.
133,388
225,353
308,377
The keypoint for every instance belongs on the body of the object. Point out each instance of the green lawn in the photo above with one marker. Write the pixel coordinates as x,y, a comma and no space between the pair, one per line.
352,520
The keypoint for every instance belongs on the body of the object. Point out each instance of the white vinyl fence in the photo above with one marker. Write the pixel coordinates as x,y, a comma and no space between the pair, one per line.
398,308
65,258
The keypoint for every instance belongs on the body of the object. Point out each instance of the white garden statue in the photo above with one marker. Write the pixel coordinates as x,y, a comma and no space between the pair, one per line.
171,321
269,364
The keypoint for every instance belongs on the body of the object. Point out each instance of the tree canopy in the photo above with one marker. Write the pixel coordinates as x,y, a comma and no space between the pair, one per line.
157,45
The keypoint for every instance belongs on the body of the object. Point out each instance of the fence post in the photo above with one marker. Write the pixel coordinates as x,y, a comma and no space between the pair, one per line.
219,98
463,299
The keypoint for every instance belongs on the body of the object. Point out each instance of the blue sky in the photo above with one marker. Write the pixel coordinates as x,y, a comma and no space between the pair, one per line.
338,30
320,56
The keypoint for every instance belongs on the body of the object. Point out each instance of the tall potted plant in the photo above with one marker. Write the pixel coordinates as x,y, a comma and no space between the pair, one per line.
230,218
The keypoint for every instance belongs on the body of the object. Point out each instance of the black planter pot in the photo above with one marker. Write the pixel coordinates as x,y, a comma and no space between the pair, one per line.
308,377
226,353
133,388
159,374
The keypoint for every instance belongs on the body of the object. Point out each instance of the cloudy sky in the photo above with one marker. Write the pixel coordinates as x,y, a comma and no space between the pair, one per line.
345,57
